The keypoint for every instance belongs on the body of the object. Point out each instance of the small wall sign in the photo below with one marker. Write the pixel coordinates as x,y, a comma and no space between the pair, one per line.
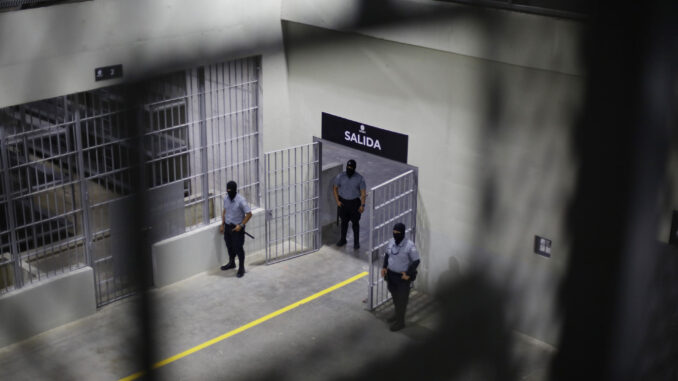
542,246
107,72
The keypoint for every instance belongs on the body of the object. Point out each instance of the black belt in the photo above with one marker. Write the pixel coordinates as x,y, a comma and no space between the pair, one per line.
346,199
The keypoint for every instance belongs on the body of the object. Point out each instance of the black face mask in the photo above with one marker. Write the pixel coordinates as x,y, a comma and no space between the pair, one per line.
350,171
398,237
231,189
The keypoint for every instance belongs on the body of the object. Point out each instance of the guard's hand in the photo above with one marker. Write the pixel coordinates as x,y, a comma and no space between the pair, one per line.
221,229
383,273
237,228
405,276
339,204
361,209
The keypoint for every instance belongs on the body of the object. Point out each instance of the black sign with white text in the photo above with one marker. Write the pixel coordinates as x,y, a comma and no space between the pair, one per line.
385,143
107,72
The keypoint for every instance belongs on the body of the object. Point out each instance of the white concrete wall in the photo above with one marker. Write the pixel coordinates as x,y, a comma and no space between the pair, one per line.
489,114
45,305
53,51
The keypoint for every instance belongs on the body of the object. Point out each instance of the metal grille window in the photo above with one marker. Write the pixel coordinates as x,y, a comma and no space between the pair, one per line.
67,166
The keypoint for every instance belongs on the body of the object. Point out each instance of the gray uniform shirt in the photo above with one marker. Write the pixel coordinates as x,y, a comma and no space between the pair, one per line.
349,187
401,256
236,209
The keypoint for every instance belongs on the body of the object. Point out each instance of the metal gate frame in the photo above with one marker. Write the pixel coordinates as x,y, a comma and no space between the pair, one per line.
292,196
72,156
392,201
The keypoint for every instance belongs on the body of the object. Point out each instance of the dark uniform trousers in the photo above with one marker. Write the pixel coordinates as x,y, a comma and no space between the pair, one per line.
349,212
234,244
400,291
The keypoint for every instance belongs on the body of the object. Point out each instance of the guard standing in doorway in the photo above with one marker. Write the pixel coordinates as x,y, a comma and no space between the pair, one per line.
399,270
234,216
350,194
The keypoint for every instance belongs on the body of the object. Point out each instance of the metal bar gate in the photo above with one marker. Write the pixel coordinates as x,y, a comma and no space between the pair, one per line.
389,203
292,202
66,165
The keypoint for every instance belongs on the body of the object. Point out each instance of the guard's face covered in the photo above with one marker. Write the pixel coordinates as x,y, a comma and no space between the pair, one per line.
398,233
231,189
350,168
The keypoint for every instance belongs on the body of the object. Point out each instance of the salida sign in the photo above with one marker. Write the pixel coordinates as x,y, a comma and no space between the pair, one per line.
389,144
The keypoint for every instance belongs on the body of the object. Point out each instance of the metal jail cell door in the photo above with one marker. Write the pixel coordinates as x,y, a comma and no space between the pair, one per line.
390,202
291,199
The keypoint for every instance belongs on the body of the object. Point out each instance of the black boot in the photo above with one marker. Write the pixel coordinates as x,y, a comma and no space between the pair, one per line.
228,266
241,272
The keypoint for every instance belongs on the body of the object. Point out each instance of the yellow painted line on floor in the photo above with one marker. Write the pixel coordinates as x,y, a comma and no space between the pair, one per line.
246,326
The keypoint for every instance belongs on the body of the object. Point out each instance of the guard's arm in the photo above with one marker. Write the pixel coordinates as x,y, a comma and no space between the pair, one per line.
385,266
223,221
412,269
241,225
248,215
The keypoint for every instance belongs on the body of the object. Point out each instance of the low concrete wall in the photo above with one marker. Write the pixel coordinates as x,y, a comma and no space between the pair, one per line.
203,249
46,305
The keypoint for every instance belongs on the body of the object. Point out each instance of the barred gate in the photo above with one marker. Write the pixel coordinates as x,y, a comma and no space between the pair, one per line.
67,165
389,203
43,232
292,202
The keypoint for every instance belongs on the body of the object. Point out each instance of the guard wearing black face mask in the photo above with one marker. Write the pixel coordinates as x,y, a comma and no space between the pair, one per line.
349,192
399,270
235,214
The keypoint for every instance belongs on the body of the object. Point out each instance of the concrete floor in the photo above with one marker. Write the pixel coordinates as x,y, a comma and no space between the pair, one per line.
332,337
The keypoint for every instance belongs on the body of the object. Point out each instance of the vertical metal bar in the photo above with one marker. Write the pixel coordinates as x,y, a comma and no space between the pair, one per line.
288,190
296,201
278,205
203,144
267,208
370,253
415,195
11,213
84,194
259,139
238,120
318,170
230,122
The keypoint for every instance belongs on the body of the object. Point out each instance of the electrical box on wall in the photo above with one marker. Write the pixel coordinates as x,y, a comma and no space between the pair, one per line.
542,246
673,235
